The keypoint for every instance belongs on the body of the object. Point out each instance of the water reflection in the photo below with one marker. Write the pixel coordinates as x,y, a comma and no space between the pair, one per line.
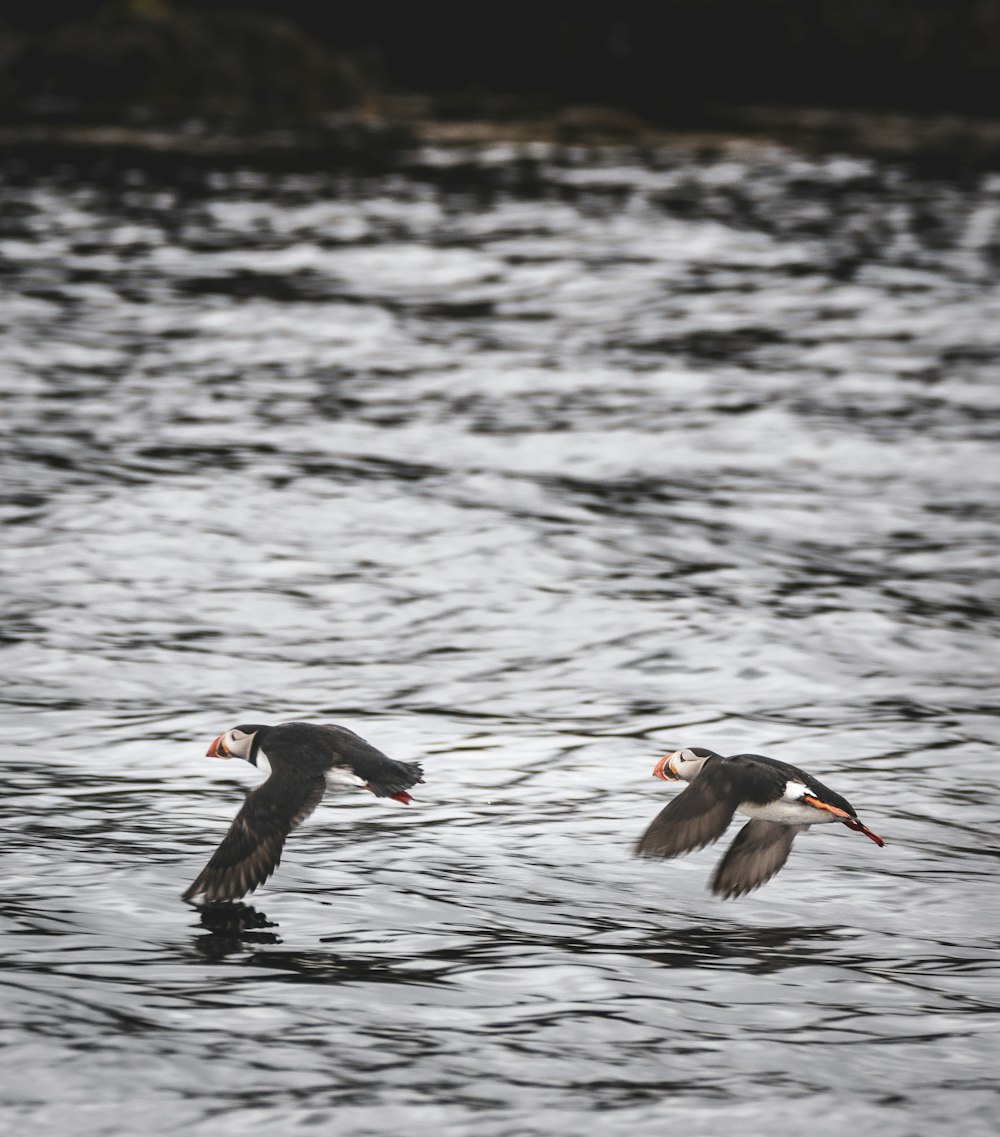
231,927
756,951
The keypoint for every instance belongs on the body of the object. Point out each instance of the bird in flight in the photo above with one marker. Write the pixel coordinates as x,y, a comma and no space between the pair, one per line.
302,761
781,801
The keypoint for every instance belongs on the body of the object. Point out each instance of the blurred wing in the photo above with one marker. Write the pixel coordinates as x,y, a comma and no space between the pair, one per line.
251,850
760,849
384,776
696,817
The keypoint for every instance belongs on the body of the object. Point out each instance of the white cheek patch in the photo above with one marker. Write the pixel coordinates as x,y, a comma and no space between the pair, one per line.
795,791
688,768
262,762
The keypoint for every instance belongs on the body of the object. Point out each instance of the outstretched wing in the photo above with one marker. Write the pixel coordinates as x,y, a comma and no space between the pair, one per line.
760,849
251,850
696,817
384,776
699,815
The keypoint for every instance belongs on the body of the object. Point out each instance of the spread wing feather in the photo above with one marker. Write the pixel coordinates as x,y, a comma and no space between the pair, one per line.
760,849
700,814
696,817
251,850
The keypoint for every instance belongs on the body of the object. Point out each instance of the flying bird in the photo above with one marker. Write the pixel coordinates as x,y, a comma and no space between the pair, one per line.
781,801
302,761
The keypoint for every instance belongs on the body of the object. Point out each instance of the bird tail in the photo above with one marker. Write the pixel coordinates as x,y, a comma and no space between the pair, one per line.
394,780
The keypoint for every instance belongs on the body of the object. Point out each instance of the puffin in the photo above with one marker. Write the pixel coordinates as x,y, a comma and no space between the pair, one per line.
302,760
781,801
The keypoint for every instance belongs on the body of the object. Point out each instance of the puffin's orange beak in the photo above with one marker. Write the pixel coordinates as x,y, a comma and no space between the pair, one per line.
664,770
216,750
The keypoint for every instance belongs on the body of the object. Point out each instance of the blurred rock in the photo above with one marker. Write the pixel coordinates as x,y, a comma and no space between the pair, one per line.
147,60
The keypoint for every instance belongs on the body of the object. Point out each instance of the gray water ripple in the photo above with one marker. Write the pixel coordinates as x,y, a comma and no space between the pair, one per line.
529,465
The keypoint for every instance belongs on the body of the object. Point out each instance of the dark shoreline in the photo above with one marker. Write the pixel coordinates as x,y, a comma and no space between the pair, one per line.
407,123
294,82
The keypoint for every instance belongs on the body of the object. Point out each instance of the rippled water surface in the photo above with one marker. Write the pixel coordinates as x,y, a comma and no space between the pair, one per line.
528,465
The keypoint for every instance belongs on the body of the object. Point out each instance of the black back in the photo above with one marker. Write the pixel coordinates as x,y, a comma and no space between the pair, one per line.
759,776
309,747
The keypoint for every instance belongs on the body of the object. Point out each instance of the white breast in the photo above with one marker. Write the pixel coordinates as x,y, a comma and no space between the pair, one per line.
789,809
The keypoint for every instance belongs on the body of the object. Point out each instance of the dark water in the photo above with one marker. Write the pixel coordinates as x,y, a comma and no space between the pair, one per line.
528,465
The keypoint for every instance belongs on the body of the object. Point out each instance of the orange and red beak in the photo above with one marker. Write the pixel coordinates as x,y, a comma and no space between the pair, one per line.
664,770
218,749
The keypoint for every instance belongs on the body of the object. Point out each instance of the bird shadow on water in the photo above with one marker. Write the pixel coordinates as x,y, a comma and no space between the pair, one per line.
756,950
240,929
233,928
